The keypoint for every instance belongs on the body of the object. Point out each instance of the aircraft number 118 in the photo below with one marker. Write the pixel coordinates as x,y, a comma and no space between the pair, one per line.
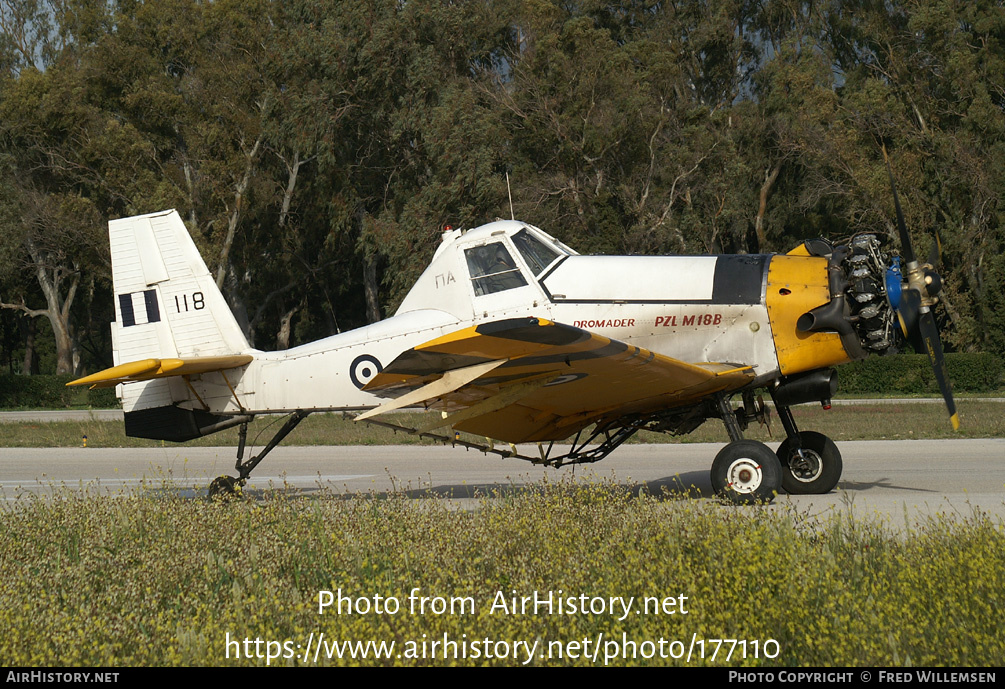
198,303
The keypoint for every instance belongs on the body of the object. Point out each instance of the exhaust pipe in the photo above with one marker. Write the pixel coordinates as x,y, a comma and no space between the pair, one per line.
815,386
834,315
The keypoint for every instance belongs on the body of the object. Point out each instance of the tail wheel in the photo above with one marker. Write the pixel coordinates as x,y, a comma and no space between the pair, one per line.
225,487
746,472
814,470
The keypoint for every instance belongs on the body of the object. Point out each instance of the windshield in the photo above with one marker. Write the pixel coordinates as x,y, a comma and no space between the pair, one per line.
536,253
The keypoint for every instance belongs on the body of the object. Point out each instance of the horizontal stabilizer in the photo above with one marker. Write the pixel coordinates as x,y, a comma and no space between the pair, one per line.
148,369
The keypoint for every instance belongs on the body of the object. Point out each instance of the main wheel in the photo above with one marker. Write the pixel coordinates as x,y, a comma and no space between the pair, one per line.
816,471
746,471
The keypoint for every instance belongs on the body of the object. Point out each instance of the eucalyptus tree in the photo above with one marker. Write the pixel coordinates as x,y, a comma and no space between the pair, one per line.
619,116
57,166
383,95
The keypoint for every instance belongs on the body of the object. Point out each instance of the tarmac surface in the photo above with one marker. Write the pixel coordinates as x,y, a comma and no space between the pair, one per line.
116,414
902,481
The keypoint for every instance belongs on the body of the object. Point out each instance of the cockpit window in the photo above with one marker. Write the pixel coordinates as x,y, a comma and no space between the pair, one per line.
492,269
537,254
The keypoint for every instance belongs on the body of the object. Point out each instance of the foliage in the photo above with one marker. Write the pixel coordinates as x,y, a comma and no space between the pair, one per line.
51,392
912,374
151,579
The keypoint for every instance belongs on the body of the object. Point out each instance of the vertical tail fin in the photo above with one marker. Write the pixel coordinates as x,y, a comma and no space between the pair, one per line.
166,302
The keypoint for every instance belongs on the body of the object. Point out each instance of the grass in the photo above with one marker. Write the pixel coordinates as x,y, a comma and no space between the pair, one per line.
997,393
150,579
979,419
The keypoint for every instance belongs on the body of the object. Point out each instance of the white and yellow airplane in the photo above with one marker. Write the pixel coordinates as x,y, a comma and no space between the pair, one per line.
514,336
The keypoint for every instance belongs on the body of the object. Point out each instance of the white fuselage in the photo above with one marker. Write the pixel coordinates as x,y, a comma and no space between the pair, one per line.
694,309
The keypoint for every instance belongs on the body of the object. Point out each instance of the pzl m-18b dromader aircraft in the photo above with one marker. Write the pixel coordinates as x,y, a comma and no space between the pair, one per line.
514,336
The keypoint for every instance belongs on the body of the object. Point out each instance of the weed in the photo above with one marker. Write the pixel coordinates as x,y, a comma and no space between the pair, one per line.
145,577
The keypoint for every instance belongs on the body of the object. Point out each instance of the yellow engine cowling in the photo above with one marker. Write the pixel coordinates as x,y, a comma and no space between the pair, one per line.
797,284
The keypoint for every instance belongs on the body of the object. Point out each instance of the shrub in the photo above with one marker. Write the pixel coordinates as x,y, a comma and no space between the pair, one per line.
50,392
153,579
912,374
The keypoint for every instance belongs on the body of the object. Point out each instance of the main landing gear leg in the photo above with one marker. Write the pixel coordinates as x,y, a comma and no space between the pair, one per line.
224,486
811,462
745,471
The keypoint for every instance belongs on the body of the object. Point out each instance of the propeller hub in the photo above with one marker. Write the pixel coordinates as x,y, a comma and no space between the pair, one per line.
933,283
894,283
926,281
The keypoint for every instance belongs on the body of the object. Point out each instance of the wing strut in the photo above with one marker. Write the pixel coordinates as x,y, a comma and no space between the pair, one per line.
450,381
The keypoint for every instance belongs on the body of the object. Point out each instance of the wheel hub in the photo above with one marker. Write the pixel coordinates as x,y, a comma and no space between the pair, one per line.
744,475
806,466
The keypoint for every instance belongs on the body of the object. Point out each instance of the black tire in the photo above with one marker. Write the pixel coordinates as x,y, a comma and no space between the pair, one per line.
817,472
224,488
746,472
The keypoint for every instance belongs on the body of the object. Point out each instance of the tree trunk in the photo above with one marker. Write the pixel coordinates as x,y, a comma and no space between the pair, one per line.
770,176
235,213
57,306
292,170
370,289
285,328
27,367
237,304
64,346
51,280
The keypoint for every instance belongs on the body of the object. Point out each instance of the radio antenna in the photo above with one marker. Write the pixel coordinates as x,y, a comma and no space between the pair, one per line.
510,194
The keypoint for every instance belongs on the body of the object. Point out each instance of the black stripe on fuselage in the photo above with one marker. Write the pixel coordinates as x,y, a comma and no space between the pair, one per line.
426,362
531,330
150,300
612,348
739,278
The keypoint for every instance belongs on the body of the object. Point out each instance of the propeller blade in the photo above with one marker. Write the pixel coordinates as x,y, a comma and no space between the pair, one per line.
908,313
930,336
907,250
916,319
935,254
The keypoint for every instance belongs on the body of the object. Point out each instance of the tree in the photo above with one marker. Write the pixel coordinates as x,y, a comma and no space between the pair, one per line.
385,99
56,233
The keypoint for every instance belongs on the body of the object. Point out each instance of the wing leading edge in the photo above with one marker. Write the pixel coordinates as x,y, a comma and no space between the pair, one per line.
533,380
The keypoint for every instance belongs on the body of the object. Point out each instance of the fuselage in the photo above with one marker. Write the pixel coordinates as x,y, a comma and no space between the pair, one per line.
729,309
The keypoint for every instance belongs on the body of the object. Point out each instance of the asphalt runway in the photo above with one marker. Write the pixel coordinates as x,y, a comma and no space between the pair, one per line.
901,480
46,416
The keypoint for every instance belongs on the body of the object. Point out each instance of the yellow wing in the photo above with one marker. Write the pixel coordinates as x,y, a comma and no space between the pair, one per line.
532,380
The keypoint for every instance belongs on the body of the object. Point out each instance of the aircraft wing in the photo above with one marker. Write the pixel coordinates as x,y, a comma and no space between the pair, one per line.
532,380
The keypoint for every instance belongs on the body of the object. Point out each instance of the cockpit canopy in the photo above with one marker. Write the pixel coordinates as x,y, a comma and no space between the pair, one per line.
498,257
